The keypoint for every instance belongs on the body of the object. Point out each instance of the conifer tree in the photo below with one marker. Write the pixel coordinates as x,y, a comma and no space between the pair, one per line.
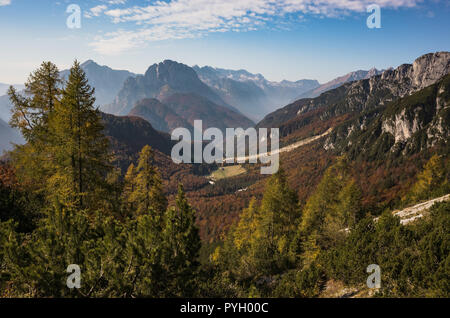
181,247
30,114
128,189
331,209
78,144
144,255
148,193
244,232
262,238
432,181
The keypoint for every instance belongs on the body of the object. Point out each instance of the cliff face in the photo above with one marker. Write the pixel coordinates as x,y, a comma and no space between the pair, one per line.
407,125
400,127
409,78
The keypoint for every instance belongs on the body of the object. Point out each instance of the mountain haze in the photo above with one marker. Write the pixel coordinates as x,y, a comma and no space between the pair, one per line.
350,77
251,93
192,106
8,135
4,87
160,81
159,115
107,82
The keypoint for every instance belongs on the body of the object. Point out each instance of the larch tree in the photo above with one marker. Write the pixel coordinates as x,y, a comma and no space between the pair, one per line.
128,189
334,207
147,193
432,181
261,239
30,115
181,247
78,144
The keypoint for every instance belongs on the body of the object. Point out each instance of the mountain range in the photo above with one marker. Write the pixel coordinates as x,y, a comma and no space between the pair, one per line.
252,93
160,81
349,77
172,94
356,97
4,87
8,136
107,82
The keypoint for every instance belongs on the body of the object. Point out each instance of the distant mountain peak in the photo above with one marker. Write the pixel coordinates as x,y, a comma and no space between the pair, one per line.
160,81
107,81
252,94
338,81
87,62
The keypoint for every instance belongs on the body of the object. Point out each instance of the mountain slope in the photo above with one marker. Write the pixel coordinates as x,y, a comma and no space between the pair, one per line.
107,82
128,135
251,93
134,133
403,127
8,135
361,95
192,107
5,108
160,81
350,77
387,126
159,115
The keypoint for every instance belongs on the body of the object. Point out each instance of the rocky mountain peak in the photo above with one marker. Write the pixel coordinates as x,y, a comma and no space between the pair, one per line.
88,62
171,72
429,68
409,78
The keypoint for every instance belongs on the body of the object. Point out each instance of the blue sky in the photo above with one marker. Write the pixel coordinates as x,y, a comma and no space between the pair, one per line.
283,39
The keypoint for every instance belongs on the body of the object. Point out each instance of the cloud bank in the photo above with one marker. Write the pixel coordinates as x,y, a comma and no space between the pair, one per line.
5,2
180,19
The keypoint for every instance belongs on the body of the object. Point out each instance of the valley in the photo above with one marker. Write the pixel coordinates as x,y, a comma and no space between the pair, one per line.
368,145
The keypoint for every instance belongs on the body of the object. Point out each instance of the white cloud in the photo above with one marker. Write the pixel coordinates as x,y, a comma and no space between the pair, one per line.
193,18
116,1
5,2
95,11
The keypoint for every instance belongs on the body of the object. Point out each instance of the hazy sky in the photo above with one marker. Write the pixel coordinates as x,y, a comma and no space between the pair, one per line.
283,39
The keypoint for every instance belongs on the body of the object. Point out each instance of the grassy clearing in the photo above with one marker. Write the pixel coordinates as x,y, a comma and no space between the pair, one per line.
227,172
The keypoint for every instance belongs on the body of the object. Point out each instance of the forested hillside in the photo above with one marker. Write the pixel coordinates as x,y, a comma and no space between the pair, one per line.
100,191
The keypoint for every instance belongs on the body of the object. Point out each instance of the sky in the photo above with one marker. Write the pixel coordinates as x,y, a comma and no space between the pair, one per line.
280,39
